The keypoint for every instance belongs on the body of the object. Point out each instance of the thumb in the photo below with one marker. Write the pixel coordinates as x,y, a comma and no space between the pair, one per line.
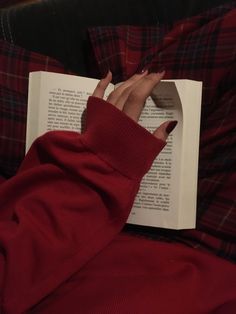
165,129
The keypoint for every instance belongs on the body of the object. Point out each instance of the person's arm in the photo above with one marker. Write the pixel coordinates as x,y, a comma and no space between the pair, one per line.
73,194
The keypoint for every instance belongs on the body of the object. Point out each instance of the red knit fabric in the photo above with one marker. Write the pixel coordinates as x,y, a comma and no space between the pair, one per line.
61,246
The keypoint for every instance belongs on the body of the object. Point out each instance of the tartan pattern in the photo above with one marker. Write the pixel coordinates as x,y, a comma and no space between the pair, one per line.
201,48
16,63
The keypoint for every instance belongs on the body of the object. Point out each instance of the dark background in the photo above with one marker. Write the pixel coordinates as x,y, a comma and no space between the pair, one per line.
58,27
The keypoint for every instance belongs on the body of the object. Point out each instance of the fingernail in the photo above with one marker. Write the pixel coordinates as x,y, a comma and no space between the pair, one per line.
170,127
142,71
104,76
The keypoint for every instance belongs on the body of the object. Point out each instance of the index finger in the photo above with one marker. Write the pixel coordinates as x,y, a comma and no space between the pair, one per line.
134,104
102,85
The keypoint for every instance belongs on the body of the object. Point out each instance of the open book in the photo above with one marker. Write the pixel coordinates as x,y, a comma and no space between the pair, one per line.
167,195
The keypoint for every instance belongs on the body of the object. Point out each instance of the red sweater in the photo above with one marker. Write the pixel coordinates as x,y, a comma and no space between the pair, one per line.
61,245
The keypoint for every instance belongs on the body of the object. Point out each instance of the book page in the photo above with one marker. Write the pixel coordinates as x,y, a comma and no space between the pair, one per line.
167,196
61,102
157,201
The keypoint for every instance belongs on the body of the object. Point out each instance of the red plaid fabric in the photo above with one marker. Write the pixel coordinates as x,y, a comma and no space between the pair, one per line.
201,48
16,63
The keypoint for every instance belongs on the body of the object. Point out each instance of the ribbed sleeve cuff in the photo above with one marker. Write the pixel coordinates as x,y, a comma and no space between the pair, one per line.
119,140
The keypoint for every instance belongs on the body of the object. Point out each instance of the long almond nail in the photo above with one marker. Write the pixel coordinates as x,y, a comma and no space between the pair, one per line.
170,127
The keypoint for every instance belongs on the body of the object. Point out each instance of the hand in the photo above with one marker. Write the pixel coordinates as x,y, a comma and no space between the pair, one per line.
131,95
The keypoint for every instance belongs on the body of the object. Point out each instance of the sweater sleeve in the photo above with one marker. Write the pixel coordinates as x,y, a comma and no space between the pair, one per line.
71,196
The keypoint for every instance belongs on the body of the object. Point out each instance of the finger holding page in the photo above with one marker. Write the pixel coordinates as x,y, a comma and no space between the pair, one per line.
112,98
131,95
102,85
124,89
136,99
